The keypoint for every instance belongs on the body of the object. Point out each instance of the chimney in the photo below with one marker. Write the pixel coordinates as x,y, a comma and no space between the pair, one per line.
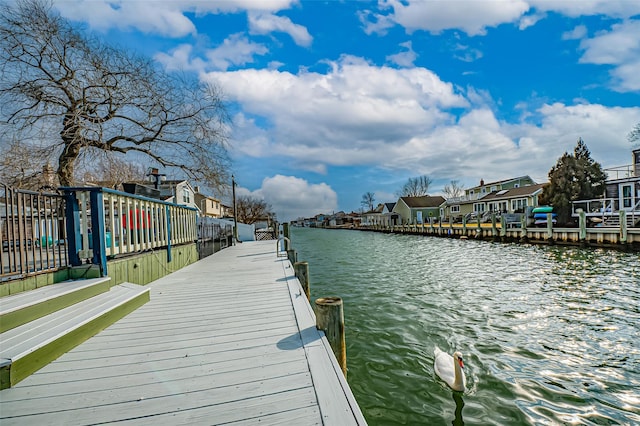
636,162
481,182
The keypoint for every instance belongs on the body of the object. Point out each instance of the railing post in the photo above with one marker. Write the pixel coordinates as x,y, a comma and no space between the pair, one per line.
168,213
302,273
98,231
623,226
330,319
72,213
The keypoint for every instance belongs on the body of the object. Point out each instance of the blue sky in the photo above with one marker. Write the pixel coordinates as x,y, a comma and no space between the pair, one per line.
332,99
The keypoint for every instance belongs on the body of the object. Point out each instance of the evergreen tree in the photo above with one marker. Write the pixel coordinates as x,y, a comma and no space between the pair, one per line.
574,177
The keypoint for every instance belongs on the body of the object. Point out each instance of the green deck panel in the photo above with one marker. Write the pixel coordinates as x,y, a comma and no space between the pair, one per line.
29,364
17,318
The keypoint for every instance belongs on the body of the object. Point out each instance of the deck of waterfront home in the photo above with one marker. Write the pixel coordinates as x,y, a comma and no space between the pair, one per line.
228,339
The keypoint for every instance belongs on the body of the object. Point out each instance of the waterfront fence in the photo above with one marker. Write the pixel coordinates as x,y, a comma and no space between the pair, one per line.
32,232
104,223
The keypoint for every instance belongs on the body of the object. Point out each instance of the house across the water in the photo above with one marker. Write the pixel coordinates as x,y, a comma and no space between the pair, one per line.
622,194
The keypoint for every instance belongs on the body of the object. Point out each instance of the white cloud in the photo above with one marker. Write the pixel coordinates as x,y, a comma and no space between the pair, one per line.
291,197
530,20
166,18
619,47
406,58
473,17
346,116
613,8
577,33
466,53
236,50
265,23
399,119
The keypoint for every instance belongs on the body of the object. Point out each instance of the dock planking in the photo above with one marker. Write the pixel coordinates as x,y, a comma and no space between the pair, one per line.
229,339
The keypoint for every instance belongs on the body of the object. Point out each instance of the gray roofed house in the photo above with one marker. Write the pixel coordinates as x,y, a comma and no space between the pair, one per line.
418,209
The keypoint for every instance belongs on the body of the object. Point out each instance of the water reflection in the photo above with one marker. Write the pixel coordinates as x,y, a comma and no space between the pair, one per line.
457,397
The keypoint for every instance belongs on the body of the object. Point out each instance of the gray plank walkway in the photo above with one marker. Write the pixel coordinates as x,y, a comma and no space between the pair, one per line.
229,339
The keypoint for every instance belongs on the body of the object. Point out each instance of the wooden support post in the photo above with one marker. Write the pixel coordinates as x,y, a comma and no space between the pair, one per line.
582,219
550,227
287,234
623,226
292,255
503,227
523,225
330,319
302,273
494,227
464,225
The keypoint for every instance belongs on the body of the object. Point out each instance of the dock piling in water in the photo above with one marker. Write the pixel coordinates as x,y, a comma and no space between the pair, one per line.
330,319
302,273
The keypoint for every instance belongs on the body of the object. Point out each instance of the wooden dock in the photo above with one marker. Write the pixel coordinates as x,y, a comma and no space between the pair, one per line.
229,339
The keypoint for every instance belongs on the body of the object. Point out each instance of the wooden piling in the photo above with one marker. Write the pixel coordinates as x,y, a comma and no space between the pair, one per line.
286,233
292,255
623,227
302,273
550,228
330,319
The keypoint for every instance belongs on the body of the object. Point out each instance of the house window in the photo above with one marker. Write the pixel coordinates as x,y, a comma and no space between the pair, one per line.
471,192
185,196
493,188
455,209
516,185
478,207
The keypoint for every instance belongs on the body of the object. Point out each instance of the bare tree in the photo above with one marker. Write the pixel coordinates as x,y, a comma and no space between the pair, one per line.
453,189
114,169
251,209
97,98
368,199
416,187
634,134
21,166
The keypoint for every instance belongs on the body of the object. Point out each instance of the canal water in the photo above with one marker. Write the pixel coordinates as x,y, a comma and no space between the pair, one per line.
550,335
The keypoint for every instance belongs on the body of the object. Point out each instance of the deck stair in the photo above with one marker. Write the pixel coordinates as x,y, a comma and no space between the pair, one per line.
40,325
614,221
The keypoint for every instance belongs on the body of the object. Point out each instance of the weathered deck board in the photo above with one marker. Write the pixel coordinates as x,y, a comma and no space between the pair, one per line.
228,339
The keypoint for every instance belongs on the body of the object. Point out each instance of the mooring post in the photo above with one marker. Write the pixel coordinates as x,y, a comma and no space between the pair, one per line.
330,319
523,225
582,220
286,234
302,273
623,226
464,225
503,227
292,255
494,226
550,227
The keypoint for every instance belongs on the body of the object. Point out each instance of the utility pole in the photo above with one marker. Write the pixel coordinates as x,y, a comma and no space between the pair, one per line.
235,214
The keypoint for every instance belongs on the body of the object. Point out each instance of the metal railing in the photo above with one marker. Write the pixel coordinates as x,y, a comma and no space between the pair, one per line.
606,208
32,232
